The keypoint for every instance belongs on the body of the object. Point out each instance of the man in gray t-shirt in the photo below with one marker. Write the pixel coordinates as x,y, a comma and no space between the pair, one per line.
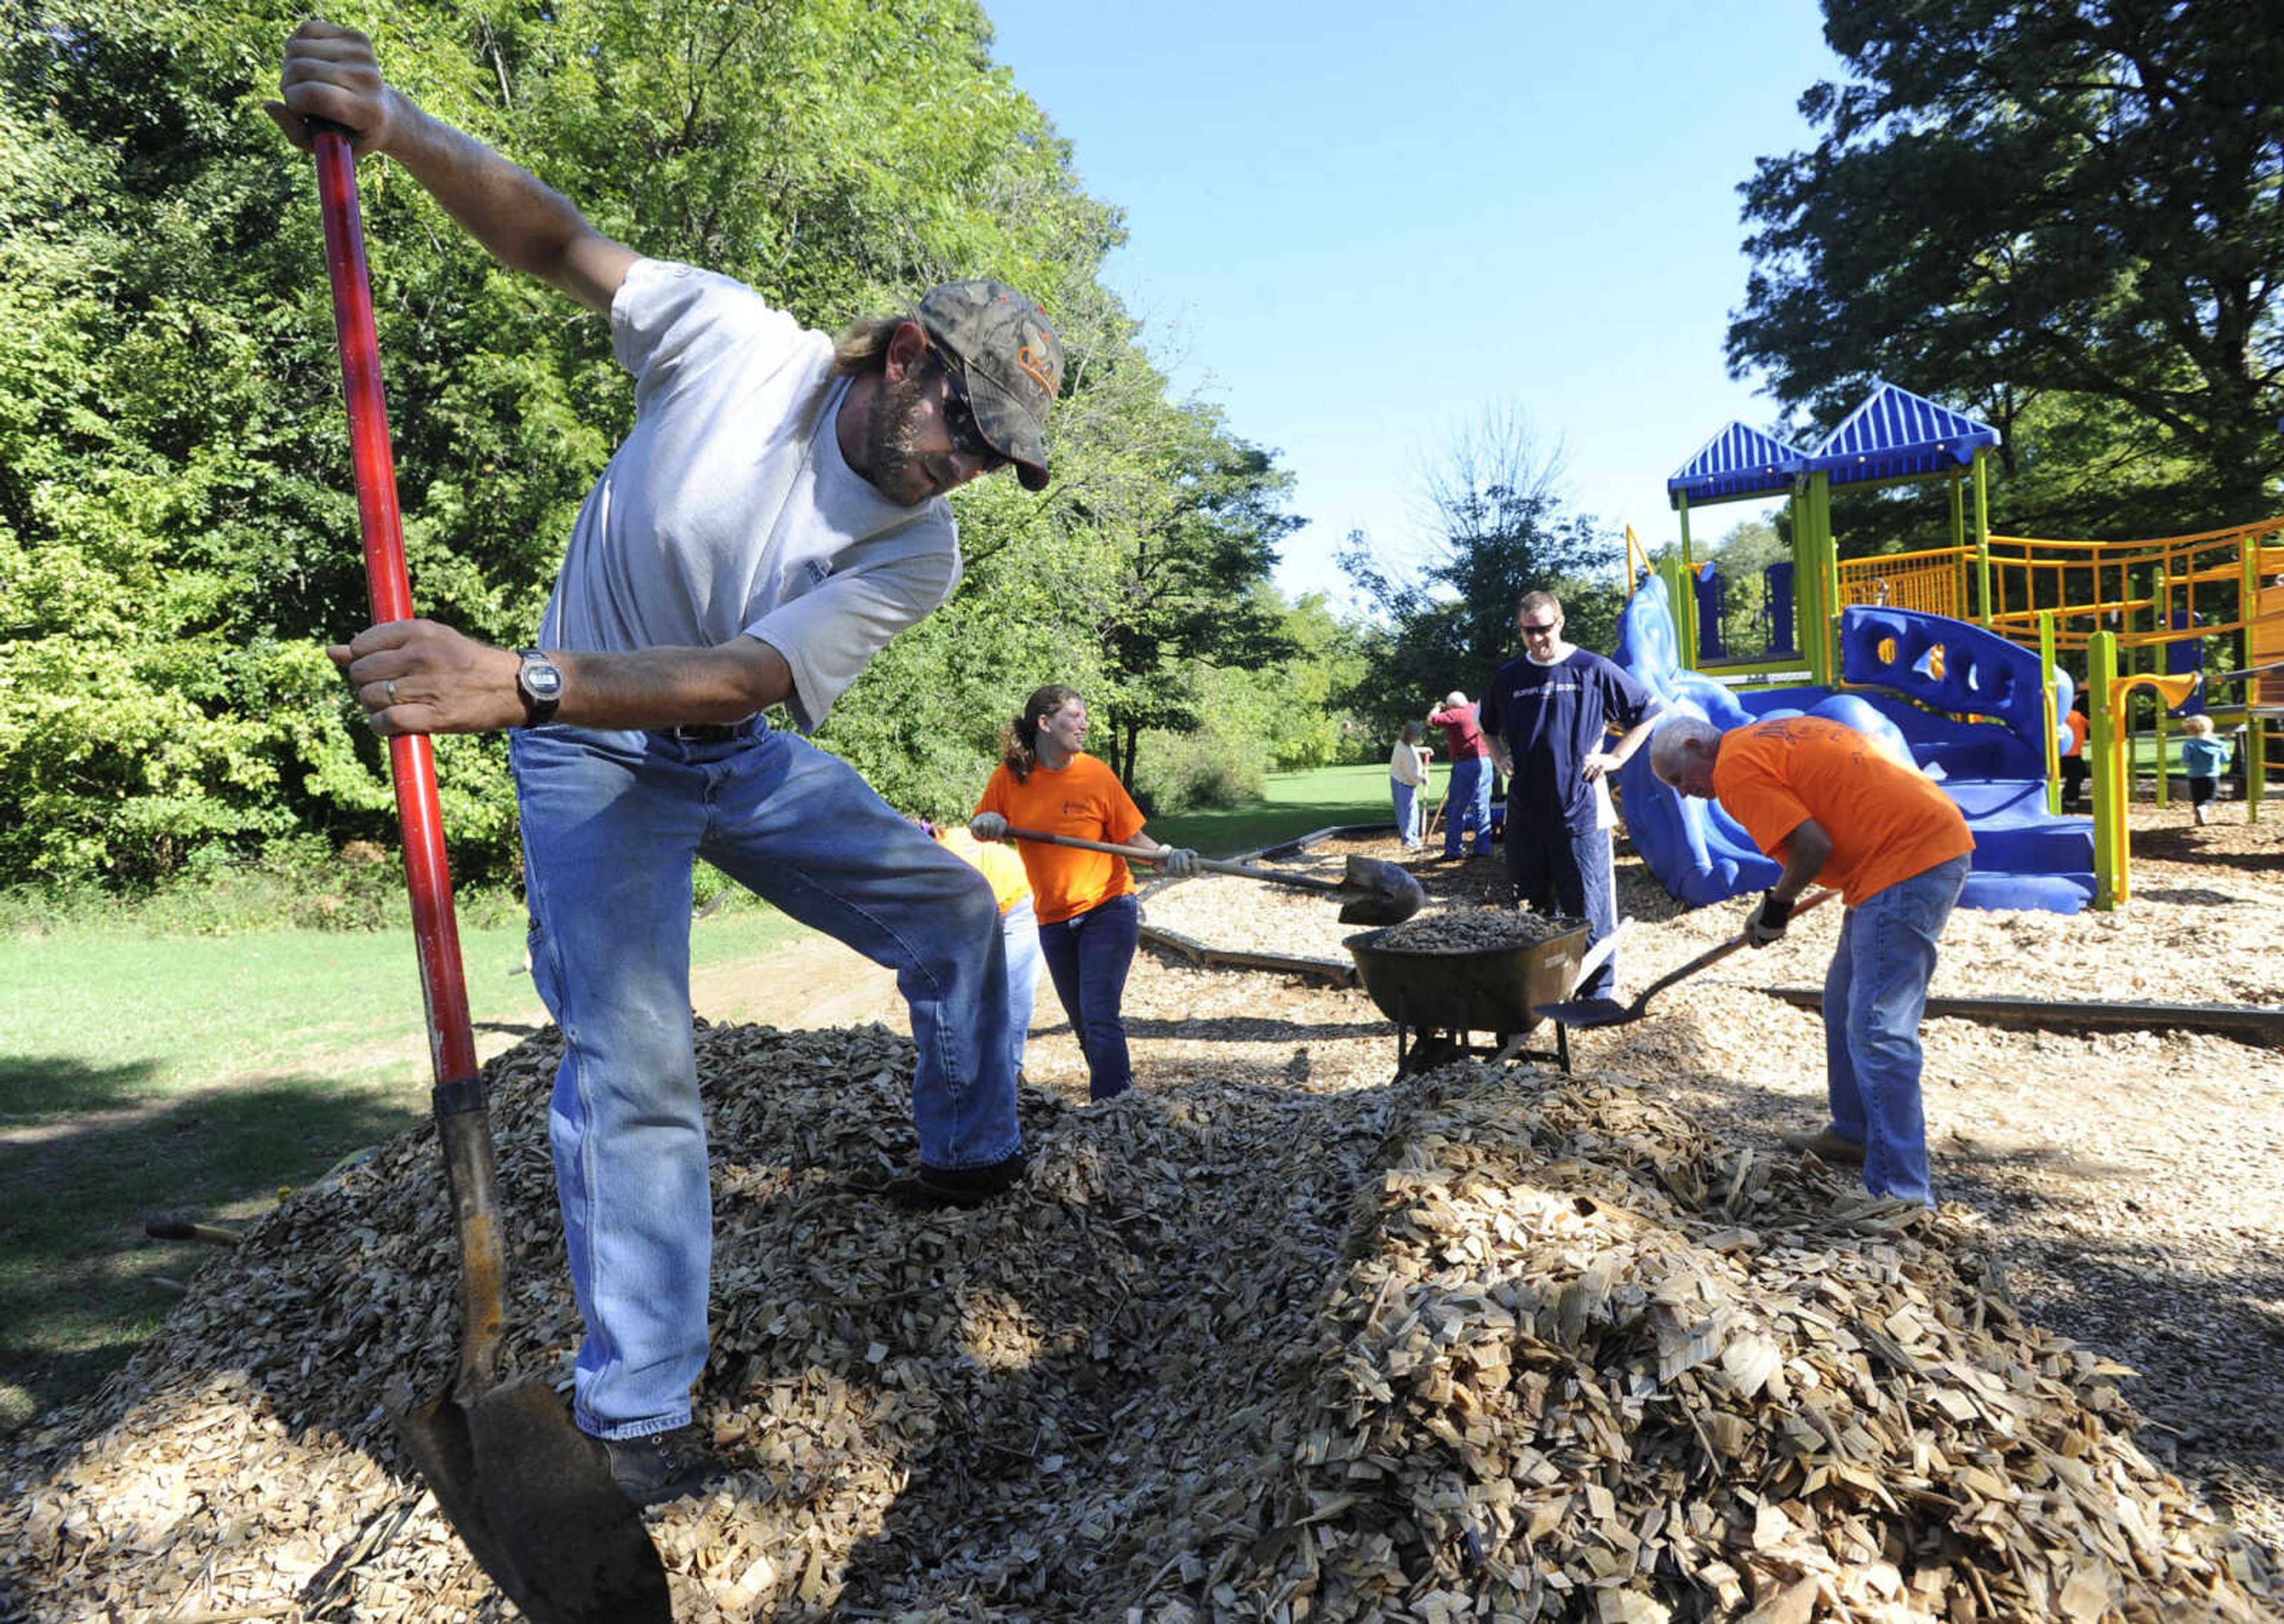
775,515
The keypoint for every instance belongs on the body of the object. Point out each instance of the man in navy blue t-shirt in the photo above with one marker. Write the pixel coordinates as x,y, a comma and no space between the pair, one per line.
1548,716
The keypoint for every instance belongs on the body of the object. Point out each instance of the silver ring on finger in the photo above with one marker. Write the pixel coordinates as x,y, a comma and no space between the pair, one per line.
388,690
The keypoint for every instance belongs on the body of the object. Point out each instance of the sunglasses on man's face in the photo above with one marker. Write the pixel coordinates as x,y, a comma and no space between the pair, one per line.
1544,630
959,422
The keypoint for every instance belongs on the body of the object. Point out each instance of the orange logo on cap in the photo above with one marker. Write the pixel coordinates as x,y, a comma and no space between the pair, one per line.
1035,366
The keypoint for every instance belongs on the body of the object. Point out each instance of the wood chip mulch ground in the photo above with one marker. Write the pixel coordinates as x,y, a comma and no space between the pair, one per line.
1277,1337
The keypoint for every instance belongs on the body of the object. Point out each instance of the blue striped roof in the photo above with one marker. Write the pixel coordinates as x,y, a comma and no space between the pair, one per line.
1737,462
1894,435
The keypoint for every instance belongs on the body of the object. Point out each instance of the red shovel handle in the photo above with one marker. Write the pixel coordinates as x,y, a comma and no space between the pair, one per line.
462,1124
451,1042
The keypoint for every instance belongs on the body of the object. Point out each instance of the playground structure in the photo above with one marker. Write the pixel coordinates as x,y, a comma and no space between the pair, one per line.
1958,650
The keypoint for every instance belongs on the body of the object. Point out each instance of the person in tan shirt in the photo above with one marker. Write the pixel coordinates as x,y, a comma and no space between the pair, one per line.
1823,800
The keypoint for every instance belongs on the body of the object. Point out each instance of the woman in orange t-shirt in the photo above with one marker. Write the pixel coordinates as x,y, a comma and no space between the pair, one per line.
1089,921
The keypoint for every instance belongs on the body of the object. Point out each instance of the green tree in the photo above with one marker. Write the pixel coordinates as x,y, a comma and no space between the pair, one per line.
1501,528
2065,217
177,536
1741,556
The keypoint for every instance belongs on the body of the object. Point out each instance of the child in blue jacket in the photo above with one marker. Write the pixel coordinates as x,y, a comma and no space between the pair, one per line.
2205,757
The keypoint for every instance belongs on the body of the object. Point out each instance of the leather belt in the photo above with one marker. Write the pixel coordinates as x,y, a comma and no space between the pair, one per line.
708,733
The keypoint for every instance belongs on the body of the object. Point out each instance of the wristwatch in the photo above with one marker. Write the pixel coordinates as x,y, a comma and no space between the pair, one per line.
540,681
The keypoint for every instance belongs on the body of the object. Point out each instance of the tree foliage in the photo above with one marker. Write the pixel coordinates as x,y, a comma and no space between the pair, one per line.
2066,217
177,529
1500,529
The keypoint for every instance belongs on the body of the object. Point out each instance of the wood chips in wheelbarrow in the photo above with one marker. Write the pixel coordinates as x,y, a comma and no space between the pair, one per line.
1491,1344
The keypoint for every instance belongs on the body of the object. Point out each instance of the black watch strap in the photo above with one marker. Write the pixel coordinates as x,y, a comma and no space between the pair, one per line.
539,679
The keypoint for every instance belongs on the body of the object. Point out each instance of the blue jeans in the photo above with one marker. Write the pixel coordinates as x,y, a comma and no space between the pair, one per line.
1088,957
1019,930
612,822
1468,804
1407,811
1874,997
1569,874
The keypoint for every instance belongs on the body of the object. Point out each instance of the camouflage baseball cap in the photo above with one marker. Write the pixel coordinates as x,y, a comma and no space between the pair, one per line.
1012,363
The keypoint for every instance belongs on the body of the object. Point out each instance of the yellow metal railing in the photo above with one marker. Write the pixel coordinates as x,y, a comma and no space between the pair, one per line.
1928,582
2135,588
2220,581
1637,562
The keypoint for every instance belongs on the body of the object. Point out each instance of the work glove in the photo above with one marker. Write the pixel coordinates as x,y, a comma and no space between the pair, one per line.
1179,862
988,826
1769,920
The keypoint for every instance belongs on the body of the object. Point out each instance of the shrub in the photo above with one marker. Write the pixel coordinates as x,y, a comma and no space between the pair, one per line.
1182,772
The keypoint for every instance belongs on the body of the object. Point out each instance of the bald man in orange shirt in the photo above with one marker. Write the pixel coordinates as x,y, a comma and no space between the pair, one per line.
1826,801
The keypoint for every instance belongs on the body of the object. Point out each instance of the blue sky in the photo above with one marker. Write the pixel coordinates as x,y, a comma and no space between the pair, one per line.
1359,228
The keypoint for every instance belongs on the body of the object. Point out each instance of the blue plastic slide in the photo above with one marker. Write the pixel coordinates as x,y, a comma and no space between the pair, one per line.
1921,672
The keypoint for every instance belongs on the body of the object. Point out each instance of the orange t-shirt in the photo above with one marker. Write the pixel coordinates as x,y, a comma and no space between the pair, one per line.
1083,798
2074,723
1887,822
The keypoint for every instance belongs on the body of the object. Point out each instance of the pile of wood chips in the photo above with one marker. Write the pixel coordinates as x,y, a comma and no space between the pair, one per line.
1488,1345
1472,930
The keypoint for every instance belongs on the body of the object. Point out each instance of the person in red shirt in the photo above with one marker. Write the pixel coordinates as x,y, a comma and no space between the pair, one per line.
1468,793
1090,920
1823,800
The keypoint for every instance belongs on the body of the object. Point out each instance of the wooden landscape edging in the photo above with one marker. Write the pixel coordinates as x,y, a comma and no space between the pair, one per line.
2252,1023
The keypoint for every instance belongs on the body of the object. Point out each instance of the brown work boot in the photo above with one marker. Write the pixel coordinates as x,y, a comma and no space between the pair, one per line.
1826,1145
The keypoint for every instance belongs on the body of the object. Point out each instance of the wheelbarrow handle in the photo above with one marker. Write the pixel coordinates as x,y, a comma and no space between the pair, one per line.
1151,853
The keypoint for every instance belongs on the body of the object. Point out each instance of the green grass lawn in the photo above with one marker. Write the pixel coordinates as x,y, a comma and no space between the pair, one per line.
1294,803
197,1074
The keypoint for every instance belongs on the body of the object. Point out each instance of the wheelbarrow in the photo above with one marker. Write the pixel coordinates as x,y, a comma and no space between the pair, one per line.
1441,999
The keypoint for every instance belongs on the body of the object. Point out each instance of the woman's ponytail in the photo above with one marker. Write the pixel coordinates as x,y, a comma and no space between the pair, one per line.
1019,740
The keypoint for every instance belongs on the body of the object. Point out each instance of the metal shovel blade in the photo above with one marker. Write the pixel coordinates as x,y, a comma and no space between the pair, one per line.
535,1505
1378,893
1586,1013
1610,1012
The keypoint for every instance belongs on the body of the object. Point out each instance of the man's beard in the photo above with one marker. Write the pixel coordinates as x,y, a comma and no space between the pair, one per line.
898,469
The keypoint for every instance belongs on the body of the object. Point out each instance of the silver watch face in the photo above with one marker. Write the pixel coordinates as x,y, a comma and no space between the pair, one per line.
543,682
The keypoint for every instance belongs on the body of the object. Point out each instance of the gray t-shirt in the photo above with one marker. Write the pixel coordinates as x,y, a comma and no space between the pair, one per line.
729,509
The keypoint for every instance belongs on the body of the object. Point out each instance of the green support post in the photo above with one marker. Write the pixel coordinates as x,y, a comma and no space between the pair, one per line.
1676,591
2256,737
2054,722
2161,620
2255,766
1686,617
1814,577
2108,807
1982,537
